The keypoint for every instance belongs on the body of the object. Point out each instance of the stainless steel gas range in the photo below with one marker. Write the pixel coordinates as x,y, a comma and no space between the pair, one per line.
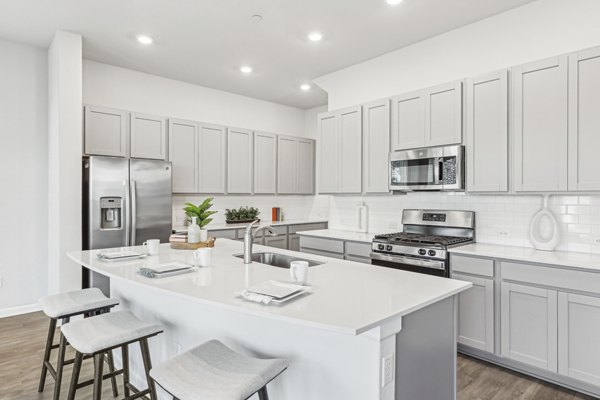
423,244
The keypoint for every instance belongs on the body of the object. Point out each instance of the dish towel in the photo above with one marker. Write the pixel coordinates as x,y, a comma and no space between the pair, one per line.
255,297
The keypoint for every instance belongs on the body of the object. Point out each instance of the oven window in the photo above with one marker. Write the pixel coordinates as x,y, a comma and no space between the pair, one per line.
412,172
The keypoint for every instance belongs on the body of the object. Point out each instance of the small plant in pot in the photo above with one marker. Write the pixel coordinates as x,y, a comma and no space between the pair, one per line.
242,214
199,217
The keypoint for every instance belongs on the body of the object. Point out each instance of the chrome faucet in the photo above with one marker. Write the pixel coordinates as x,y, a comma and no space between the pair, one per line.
249,239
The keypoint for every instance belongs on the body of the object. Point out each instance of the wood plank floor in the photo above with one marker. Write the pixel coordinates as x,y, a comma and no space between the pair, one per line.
22,340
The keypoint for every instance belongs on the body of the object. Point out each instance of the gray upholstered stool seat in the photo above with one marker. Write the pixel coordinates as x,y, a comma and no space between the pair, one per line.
75,302
212,371
106,331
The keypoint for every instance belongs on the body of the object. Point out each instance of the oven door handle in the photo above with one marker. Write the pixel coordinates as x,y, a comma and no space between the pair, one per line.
416,262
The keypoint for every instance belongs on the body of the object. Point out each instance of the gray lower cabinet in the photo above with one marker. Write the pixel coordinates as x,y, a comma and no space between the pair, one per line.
105,131
476,313
336,248
294,242
280,241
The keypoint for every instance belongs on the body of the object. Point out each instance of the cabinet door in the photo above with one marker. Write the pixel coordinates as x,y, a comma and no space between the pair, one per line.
305,166
212,158
529,325
279,242
239,161
443,114
329,153
584,120
265,163
148,137
294,242
287,165
487,133
376,146
408,121
578,333
476,313
105,131
183,154
350,147
540,125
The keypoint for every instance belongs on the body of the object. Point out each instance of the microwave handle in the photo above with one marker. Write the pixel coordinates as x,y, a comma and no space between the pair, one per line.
440,170
437,170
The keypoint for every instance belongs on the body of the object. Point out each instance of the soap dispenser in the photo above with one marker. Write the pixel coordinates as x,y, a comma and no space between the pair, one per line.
194,231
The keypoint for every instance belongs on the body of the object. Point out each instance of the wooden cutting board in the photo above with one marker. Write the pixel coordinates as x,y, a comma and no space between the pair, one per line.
193,246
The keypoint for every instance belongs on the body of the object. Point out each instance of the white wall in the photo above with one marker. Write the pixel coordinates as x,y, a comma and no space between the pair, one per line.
541,29
23,175
110,86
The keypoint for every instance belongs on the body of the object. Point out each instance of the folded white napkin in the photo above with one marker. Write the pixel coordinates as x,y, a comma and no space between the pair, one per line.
255,297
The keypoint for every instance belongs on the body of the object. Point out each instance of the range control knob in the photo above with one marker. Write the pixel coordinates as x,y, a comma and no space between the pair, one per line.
389,247
380,246
431,253
422,252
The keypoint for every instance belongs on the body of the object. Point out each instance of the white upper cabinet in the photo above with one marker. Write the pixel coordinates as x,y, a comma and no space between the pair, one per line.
584,120
265,163
443,114
183,154
239,161
428,117
105,132
212,158
487,132
540,125
306,166
295,165
529,325
148,137
408,121
376,146
340,153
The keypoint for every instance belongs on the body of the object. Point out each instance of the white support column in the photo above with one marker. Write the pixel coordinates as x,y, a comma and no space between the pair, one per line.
64,159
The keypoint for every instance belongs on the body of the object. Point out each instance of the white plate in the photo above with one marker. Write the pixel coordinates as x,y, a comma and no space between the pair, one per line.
164,270
120,256
276,289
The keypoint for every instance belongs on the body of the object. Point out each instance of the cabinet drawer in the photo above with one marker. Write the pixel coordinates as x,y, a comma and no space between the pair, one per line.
363,260
281,230
308,227
225,233
548,276
321,253
472,265
329,245
359,249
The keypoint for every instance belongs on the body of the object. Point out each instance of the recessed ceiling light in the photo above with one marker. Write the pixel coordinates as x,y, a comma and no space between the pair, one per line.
305,87
245,69
145,39
257,17
315,36
393,2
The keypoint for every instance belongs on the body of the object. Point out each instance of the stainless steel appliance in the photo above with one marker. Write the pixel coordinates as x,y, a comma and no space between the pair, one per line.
434,168
423,244
125,202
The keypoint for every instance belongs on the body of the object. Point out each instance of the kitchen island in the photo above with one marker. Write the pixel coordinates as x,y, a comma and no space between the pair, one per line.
363,332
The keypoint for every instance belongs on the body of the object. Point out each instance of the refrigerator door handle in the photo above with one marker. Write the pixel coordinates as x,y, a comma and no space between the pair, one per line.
127,216
133,212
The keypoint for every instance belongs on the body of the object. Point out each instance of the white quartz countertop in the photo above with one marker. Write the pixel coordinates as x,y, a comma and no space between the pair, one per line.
220,227
526,254
346,297
365,237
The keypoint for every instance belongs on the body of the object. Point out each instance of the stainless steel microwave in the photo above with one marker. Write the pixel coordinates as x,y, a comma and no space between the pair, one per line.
433,168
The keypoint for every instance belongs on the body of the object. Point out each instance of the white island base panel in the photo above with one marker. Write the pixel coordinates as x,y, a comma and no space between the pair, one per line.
324,364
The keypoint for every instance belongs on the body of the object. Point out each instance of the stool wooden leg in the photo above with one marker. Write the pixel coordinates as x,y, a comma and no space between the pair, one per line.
148,367
62,347
111,368
125,357
98,374
49,342
262,393
75,376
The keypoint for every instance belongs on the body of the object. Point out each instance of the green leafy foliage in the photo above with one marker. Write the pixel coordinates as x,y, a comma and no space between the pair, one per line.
200,211
241,214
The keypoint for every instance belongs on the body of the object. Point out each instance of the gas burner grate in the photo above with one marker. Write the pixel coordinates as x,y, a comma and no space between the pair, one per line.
403,237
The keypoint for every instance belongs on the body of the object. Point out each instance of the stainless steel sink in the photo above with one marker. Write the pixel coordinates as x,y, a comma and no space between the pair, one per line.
277,260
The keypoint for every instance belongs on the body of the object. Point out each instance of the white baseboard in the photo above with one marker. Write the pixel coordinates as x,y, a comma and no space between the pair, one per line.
27,308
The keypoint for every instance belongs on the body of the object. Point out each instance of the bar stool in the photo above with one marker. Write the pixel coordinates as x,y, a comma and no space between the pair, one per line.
63,306
96,336
212,371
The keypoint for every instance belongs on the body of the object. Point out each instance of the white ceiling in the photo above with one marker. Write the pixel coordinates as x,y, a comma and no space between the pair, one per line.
205,41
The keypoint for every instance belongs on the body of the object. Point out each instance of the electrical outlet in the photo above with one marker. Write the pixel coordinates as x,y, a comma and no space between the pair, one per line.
596,241
1,281
504,233
177,346
387,368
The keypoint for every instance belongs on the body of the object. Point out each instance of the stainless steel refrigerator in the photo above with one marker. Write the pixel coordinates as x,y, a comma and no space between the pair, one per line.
125,203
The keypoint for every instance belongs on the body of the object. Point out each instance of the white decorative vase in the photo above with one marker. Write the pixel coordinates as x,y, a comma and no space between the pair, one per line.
544,231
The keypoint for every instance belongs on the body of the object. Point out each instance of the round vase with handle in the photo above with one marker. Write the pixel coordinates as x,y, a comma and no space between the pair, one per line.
544,231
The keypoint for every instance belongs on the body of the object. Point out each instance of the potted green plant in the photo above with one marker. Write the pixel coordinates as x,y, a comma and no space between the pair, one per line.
201,215
242,214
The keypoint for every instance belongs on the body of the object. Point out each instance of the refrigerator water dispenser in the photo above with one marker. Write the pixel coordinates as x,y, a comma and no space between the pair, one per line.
111,212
